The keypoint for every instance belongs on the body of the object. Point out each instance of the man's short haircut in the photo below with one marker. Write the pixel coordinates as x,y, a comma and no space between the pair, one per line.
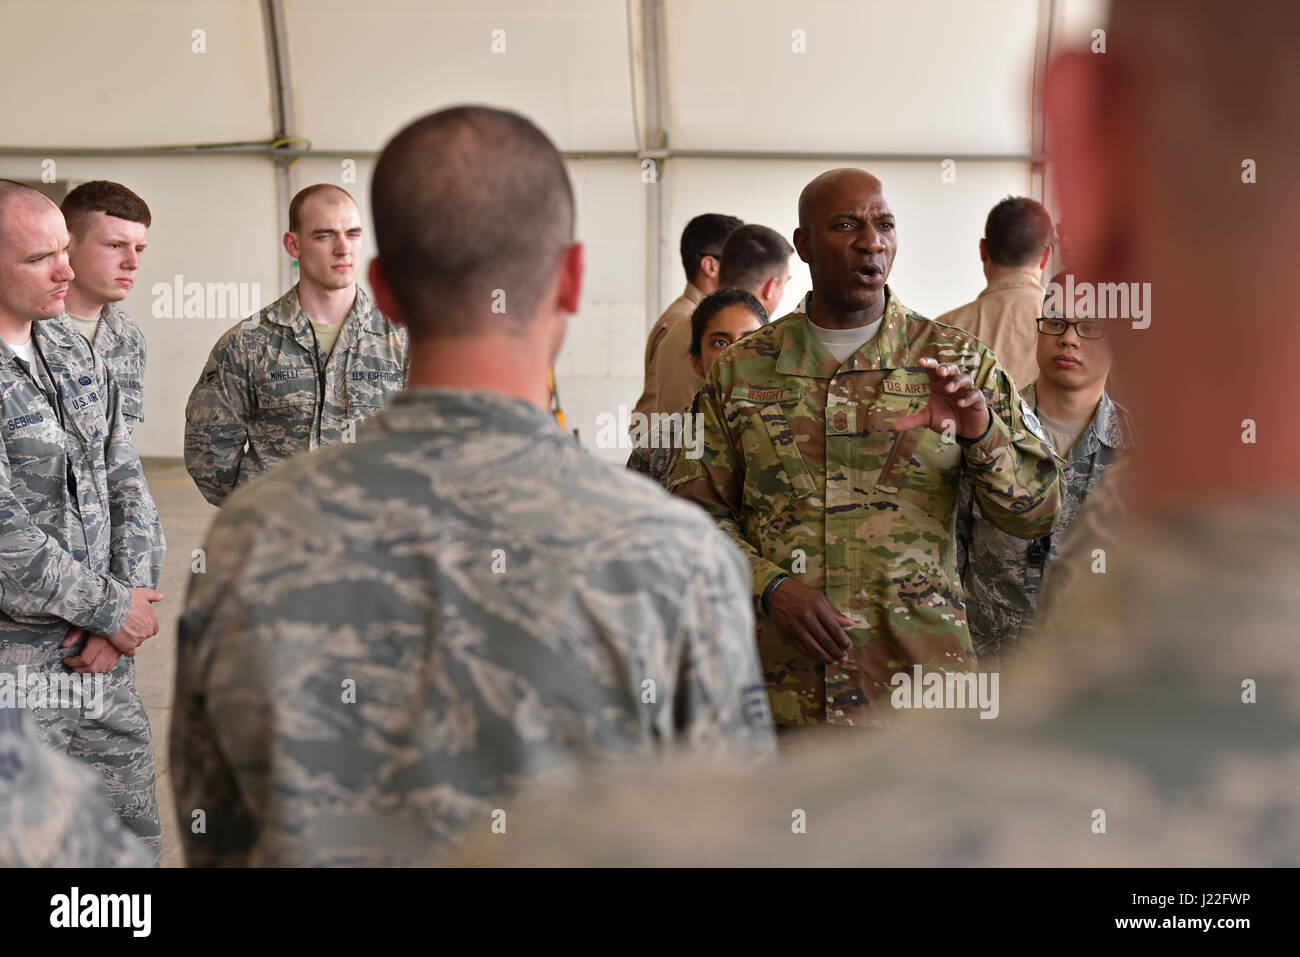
101,196
13,193
473,211
1017,230
714,303
306,193
751,255
703,236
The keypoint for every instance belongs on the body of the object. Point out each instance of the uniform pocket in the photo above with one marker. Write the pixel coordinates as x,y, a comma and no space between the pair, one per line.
776,475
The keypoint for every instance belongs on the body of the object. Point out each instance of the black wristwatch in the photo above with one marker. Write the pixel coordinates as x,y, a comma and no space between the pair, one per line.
771,587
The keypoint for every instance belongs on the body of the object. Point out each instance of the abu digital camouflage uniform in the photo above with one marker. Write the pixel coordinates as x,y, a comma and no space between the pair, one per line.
121,346
393,636
52,810
268,391
652,456
1001,574
801,467
78,529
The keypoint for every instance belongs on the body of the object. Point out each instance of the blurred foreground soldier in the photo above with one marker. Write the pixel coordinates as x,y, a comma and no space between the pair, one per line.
1015,250
392,636
1162,727
52,810
754,258
720,320
303,372
81,548
108,226
835,441
701,249
1001,574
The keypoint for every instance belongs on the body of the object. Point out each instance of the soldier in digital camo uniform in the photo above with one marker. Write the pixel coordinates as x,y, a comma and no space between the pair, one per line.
307,369
109,227
1002,575
80,538
395,635
52,810
815,464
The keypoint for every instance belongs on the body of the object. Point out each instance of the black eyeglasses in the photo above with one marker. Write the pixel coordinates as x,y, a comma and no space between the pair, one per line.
1084,328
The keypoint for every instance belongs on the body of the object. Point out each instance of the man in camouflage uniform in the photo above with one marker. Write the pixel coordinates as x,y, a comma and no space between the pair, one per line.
52,810
395,635
303,372
815,465
109,227
1000,573
82,545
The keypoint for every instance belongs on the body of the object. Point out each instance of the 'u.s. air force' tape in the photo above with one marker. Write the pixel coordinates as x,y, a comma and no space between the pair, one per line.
755,702
1031,422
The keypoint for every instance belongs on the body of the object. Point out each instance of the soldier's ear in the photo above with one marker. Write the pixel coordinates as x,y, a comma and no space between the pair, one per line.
801,244
383,293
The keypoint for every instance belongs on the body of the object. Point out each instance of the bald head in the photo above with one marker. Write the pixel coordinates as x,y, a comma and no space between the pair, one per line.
18,196
831,186
473,212
324,192
846,235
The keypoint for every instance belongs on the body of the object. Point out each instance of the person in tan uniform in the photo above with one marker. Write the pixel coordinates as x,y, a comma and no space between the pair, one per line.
1015,250
701,249
754,258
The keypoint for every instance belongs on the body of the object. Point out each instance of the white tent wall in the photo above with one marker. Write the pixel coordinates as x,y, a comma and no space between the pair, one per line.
934,77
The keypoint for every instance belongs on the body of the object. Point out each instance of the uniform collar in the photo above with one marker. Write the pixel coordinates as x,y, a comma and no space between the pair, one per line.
1111,424
693,294
287,311
1019,280
802,353
423,408
112,323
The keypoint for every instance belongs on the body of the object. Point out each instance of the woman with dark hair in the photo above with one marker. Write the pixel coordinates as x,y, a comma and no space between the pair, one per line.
719,320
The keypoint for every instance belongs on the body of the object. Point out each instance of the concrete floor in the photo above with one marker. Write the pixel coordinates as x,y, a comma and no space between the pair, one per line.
185,518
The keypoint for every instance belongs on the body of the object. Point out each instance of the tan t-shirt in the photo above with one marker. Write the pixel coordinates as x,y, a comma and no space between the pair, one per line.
1002,318
87,327
1062,435
326,335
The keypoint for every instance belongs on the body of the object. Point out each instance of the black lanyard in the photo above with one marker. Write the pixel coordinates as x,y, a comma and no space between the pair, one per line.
54,400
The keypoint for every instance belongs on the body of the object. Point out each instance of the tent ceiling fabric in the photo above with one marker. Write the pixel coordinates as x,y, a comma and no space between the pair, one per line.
753,91
132,74
564,65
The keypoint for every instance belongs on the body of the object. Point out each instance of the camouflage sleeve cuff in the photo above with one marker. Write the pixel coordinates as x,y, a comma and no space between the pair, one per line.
108,619
988,446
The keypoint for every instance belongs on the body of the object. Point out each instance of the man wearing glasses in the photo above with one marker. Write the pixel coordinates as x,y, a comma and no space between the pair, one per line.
1090,432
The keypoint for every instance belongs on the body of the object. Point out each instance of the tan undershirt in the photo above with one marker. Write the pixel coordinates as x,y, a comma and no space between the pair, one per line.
87,327
327,335
1062,435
